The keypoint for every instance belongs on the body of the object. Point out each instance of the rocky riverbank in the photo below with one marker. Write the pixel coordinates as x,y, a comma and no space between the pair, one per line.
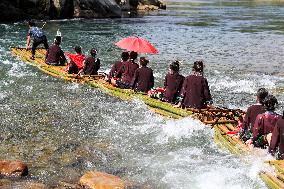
15,10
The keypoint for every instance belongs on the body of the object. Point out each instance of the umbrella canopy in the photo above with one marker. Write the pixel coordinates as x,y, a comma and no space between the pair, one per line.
137,44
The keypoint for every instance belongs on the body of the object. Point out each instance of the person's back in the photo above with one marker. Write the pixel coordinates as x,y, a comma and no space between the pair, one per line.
76,61
143,79
173,83
38,37
54,54
265,122
91,63
127,70
117,65
277,140
195,91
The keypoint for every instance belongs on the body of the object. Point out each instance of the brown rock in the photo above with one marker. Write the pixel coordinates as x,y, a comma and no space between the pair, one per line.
14,168
100,180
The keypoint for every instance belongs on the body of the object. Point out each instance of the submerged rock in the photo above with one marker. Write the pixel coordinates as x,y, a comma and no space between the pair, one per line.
14,168
100,180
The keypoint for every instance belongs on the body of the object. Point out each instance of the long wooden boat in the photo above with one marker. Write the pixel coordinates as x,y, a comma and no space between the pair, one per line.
222,120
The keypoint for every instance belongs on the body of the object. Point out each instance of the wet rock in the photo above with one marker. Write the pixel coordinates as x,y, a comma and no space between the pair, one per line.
95,180
96,8
8,184
151,5
14,168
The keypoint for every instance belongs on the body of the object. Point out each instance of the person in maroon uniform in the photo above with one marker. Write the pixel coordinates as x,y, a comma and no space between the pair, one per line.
54,55
173,83
143,79
251,114
91,64
117,65
264,123
195,92
277,141
127,71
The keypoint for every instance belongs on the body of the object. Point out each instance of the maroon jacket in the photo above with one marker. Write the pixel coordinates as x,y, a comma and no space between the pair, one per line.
264,124
172,85
277,139
252,113
195,91
54,55
143,79
114,69
91,65
127,70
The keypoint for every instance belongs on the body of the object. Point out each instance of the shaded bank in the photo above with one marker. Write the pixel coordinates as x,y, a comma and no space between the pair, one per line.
15,10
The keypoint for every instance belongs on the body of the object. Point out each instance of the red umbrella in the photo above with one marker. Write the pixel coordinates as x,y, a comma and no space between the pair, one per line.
137,44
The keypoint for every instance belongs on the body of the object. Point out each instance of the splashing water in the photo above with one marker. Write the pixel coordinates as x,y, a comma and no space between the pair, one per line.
64,129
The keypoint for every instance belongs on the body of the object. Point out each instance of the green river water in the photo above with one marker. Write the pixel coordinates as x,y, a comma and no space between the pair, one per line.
63,129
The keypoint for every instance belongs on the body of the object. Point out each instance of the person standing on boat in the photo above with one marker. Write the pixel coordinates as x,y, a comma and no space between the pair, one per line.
76,61
91,64
195,92
143,79
276,146
117,65
264,124
251,114
127,71
54,55
38,37
173,83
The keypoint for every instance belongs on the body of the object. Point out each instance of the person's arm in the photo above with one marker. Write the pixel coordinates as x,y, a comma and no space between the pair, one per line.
134,80
166,82
275,139
98,64
28,42
82,71
258,126
46,55
207,95
152,80
182,94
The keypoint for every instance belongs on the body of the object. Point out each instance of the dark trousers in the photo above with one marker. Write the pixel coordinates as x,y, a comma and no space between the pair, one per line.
37,41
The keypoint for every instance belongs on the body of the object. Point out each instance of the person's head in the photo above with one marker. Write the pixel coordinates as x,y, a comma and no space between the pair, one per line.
93,52
57,40
31,23
124,56
133,55
198,66
143,61
261,94
78,49
270,102
174,67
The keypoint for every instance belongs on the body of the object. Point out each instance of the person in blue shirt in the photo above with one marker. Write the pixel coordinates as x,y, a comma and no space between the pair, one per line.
38,37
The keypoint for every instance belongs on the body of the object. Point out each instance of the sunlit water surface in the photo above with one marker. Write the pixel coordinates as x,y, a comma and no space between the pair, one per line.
63,129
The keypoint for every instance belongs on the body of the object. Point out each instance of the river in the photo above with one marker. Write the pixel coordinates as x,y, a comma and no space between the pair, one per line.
63,129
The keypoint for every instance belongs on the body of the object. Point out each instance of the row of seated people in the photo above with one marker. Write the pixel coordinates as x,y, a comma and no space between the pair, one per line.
262,127
79,64
192,91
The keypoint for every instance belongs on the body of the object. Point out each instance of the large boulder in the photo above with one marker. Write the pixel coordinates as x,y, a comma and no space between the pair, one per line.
96,8
100,180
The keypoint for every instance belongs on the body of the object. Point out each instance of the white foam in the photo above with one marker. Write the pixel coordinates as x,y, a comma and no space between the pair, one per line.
249,85
177,129
73,86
